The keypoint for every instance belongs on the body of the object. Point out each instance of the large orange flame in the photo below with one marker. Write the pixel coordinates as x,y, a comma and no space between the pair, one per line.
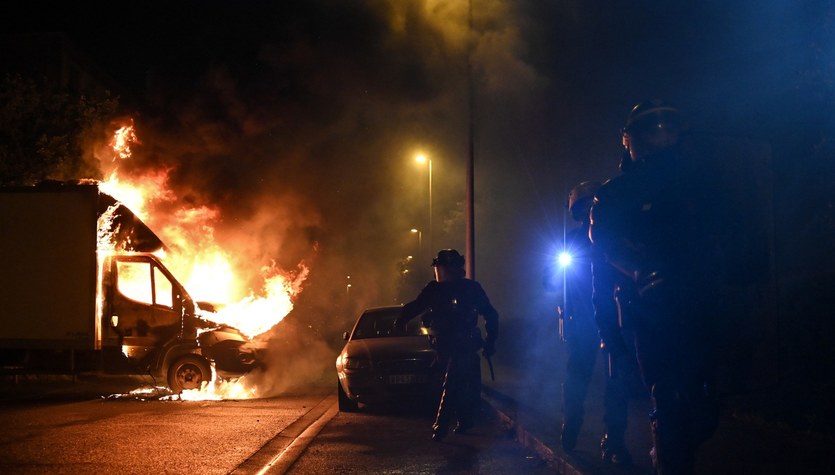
206,270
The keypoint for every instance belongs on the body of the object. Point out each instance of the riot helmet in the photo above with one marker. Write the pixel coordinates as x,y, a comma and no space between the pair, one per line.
580,199
449,265
448,258
651,126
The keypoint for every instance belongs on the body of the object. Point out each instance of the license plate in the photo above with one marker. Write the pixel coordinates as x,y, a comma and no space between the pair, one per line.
407,378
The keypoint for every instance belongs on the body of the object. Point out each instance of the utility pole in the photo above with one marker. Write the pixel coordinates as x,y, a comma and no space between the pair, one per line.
470,244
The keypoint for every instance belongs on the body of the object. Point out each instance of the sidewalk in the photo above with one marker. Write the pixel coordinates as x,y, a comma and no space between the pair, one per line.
529,404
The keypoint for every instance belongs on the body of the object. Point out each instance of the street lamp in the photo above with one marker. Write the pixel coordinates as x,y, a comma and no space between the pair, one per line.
420,240
421,158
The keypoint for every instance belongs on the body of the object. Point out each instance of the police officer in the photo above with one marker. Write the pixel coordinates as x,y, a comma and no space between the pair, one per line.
450,306
647,224
582,336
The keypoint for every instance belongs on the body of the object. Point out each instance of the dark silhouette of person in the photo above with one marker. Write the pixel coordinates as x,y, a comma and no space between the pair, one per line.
572,279
450,306
650,224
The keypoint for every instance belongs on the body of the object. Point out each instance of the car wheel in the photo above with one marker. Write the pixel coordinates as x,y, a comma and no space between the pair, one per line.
188,372
345,403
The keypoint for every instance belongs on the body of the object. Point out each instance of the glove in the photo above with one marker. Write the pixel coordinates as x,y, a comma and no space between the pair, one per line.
489,349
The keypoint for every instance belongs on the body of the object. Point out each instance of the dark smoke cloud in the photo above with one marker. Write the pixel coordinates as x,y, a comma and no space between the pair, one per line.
300,121
301,126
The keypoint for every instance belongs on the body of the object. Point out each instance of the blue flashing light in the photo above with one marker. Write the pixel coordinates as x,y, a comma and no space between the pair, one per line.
564,259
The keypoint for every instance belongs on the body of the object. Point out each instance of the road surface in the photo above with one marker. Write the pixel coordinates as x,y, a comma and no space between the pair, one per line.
76,431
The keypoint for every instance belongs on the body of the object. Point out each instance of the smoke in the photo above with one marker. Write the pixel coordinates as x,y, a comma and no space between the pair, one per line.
299,123
301,133
296,357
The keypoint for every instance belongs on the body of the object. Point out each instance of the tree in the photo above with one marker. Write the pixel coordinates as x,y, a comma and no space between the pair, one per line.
47,133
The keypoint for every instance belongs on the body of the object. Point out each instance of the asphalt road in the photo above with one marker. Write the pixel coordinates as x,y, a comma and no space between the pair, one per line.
397,440
81,428
141,437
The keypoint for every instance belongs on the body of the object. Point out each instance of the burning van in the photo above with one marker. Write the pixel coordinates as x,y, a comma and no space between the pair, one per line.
81,289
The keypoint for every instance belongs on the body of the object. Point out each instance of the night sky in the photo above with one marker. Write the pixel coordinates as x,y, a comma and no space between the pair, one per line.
313,111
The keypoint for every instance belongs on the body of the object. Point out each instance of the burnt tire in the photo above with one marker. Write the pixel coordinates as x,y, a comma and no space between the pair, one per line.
188,372
345,403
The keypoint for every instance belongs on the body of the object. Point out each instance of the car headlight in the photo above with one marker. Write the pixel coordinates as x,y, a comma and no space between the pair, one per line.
355,363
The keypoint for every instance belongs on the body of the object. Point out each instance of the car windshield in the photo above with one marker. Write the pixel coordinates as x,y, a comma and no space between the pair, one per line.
379,323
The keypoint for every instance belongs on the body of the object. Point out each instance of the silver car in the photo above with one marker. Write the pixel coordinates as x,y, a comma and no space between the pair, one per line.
382,363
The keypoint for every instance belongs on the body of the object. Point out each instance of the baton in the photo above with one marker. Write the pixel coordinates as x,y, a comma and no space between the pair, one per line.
490,364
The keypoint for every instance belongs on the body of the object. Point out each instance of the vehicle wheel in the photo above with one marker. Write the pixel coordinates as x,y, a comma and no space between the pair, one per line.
188,372
345,403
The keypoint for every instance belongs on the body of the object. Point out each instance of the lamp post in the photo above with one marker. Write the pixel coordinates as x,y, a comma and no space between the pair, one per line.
421,158
420,240
470,233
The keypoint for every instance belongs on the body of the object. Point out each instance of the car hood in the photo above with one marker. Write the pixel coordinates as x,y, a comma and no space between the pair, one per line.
377,349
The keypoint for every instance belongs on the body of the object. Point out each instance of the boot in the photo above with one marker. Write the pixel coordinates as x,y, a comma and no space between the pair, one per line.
463,427
440,428
438,433
570,431
613,450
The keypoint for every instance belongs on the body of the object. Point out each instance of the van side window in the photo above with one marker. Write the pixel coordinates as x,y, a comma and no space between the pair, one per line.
163,289
134,280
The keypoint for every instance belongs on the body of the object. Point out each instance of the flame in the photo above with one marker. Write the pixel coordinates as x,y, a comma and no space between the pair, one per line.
219,390
139,193
123,138
104,233
207,271
254,315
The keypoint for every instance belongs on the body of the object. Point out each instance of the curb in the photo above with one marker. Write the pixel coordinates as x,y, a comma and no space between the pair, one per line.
509,424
